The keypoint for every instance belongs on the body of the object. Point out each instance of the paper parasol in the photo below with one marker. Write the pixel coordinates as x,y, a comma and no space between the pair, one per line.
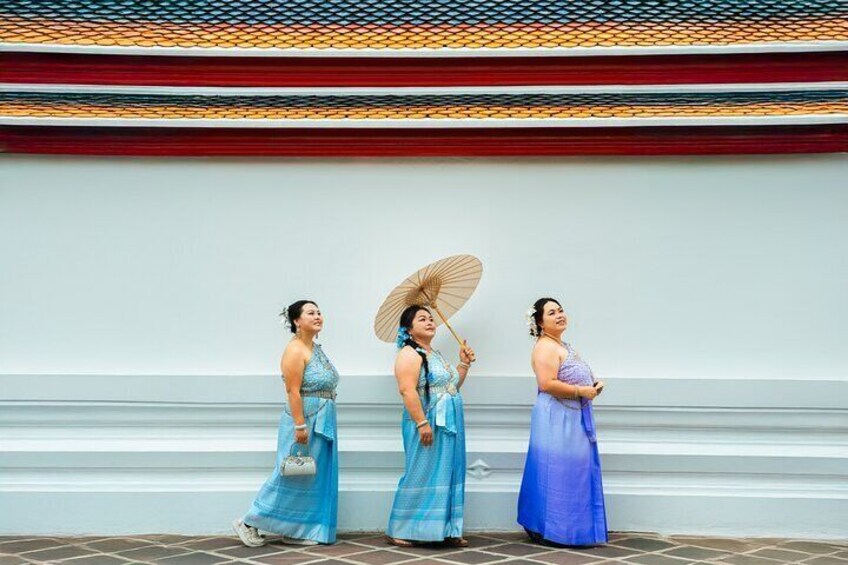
443,286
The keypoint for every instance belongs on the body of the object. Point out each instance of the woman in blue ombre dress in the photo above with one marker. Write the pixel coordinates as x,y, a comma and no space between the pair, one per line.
429,502
561,501
301,510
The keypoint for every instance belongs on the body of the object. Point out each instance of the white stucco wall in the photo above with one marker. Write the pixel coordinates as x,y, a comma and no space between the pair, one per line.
710,292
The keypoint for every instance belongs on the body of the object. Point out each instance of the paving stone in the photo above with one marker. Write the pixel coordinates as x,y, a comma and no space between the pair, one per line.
783,555
242,552
57,554
113,545
563,557
517,562
171,539
292,559
518,549
336,550
810,546
480,541
193,558
151,552
825,560
21,546
373,540
693,552
98,559
470,556
748,560
723,544
607,551
379,557
644,544
656,559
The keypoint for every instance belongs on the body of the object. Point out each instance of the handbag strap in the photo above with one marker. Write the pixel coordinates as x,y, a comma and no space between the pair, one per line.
302,450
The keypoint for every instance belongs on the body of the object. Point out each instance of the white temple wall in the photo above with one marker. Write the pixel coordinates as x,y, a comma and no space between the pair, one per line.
139,343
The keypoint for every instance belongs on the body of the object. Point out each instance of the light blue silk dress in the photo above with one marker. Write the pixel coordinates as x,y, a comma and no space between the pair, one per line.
430,498
562,497
305,507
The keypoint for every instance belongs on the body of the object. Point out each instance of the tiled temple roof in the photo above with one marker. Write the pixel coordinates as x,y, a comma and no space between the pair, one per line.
393,26
414,77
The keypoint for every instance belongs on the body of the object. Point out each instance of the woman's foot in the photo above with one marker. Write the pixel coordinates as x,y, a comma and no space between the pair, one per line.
456,542
297,541
248,535
399,542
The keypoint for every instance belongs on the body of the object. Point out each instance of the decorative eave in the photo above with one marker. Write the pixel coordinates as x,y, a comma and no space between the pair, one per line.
469,121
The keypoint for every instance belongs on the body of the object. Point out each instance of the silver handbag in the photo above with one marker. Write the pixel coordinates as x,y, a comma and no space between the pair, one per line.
299,463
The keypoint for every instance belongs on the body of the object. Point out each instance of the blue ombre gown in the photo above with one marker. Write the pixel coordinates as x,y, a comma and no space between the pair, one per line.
305,507
429,502
562,498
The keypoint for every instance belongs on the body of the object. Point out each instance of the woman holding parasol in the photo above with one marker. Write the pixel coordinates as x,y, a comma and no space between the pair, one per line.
429,502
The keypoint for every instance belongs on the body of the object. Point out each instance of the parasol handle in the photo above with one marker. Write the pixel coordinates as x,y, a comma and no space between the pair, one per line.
445,321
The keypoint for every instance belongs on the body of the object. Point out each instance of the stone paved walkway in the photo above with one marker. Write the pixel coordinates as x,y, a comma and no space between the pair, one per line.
496,548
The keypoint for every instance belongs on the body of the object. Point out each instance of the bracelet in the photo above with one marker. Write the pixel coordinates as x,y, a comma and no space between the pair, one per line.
300,427
421,424
576,392
463,364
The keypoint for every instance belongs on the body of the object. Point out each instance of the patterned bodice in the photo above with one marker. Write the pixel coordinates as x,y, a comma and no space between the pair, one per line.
319,374
574,370
442,373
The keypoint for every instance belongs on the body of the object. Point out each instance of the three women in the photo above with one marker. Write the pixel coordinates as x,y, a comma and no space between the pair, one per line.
561,497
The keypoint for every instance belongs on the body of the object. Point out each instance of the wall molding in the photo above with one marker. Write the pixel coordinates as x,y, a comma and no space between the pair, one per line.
767,455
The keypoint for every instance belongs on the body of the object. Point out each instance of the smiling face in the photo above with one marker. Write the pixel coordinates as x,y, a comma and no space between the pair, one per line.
553,320
423,327
310,319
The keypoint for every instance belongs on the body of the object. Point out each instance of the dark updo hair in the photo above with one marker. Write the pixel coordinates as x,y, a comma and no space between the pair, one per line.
539,313
406,319
293,312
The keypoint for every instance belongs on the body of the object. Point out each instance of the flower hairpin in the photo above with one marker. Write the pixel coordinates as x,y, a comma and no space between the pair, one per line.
530,319
284,318
402,336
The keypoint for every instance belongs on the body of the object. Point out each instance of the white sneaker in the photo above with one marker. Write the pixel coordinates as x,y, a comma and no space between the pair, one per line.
248,535
297,541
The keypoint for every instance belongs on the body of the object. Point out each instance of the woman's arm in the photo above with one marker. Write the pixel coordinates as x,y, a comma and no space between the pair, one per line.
466,357
292,365
546,362
407,370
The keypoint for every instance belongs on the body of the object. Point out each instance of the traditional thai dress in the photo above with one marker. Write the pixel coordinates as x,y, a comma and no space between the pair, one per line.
305,507
562,498
429,502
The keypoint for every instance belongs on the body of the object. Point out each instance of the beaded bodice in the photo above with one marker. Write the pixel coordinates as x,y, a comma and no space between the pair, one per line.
442,373
319,374
574,370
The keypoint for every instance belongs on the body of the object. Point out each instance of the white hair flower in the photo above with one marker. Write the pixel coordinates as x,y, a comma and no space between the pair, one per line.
530,318
284,318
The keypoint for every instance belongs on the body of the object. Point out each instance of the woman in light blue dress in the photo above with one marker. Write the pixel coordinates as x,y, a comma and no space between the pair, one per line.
561,501
428,504
301,510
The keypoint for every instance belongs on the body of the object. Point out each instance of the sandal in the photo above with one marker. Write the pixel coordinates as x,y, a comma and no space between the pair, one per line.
399,542
456,542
